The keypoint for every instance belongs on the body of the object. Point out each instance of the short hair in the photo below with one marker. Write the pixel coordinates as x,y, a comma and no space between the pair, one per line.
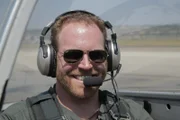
77,16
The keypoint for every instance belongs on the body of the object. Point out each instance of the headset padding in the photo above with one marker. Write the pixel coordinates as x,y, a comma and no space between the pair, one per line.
52,70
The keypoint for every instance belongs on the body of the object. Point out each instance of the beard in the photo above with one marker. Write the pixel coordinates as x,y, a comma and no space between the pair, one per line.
75,90
70,84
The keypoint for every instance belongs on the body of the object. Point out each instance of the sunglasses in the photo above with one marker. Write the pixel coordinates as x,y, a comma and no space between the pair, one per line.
74,55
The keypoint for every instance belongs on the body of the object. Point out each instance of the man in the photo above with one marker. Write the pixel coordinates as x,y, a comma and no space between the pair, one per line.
78,44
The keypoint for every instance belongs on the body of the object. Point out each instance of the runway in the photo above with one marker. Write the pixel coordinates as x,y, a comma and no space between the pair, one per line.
152,69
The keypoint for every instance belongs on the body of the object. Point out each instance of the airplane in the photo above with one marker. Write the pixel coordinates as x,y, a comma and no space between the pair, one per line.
160,105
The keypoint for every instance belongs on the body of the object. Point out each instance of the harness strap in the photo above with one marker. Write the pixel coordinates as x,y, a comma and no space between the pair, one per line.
44,107
113,106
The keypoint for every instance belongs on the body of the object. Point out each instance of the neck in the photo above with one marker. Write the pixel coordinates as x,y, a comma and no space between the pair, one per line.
83,107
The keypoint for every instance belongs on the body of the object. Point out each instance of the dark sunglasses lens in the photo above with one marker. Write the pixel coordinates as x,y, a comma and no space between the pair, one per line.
98,56
72,56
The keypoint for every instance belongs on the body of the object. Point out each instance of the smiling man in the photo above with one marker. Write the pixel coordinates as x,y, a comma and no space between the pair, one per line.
79,50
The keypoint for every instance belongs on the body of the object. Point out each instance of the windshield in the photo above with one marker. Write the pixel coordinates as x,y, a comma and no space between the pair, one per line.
5,9
148,34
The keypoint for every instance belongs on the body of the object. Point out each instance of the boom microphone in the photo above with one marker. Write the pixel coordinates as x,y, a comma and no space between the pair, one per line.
90,81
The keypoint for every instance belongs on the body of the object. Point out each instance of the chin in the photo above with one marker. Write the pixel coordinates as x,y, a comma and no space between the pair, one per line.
85,93
77,89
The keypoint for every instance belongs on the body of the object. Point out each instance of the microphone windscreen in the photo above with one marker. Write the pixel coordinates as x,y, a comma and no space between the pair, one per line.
92,81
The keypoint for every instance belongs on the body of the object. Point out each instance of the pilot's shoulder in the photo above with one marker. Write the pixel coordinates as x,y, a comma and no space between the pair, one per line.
17,111
136,109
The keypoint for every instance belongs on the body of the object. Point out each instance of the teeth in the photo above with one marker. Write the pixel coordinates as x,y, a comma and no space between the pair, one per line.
81,77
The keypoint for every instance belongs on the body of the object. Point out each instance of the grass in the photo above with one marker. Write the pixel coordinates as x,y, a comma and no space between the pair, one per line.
150,43
30,46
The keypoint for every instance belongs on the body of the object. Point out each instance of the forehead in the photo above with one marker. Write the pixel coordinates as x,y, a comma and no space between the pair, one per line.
80,36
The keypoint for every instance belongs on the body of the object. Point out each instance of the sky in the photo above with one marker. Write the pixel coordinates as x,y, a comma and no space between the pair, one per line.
118,12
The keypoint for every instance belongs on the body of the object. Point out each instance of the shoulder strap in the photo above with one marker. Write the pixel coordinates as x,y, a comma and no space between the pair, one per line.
44,107
115,108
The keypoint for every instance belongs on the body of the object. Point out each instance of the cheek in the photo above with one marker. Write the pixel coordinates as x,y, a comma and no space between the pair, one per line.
101,67
63,68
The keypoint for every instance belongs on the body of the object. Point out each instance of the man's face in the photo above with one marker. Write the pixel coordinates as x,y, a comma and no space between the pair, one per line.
86,38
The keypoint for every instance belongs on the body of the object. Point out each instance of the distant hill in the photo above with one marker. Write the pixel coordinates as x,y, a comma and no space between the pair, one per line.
148,32
33,35
124,32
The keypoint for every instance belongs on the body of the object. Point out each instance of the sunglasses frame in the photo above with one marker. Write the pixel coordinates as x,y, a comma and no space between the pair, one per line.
84,52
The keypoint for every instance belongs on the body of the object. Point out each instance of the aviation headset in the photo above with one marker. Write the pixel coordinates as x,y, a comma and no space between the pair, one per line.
46,59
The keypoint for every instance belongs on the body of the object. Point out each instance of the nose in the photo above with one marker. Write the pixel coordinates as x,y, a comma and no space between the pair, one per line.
85,64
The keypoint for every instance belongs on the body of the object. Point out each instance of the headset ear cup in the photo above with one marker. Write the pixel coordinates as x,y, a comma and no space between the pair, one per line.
46,60
113,59
43,59
53,64
109,59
